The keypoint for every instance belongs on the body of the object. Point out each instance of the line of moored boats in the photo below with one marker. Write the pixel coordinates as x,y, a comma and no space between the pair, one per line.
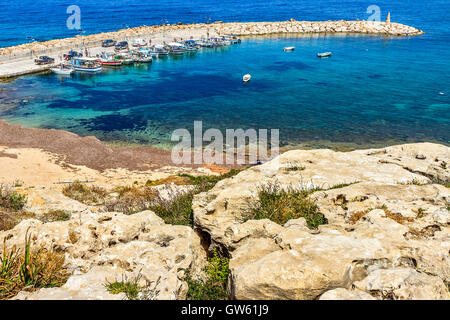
140,52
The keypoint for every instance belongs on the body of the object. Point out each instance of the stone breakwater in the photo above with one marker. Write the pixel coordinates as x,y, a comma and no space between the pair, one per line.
217,28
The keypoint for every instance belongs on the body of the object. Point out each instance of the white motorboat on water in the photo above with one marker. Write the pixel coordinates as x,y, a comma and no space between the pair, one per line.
324,54
246,78
287,49
62,69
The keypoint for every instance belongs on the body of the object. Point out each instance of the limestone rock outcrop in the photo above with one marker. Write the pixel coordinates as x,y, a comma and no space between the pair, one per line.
387,211
107,247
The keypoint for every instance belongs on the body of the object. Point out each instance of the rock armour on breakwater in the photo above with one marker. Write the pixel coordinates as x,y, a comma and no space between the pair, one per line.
238,28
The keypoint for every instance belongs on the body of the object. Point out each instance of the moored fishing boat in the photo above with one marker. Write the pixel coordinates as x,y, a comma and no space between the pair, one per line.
217,42
159,50
109,60
176,48
142,56
205,43
226,40
86,64
63,69
126,58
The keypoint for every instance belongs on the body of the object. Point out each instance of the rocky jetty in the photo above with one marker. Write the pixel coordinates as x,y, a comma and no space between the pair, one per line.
386,234
238,28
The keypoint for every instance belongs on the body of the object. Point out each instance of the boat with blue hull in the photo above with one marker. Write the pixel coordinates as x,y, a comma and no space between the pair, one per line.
86,64
176,48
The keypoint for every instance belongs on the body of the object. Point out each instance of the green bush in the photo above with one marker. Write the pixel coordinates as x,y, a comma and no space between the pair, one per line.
215,286
206,183
281,205
11,200
176,209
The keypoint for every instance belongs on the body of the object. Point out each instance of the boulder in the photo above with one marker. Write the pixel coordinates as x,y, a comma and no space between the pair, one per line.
139,245
386,209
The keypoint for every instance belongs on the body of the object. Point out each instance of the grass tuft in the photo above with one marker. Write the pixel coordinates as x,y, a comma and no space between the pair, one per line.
215,286
283,204
132,289
31,269
293,166
206,183
55,215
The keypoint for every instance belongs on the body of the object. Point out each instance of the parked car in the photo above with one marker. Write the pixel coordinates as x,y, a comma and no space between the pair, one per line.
108,43
123,45
44,60
138,43
72,54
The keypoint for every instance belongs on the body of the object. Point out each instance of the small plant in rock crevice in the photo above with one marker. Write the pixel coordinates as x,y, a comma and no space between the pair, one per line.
133,290
214,287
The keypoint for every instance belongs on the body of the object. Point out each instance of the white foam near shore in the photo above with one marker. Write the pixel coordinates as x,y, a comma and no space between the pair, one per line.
19,60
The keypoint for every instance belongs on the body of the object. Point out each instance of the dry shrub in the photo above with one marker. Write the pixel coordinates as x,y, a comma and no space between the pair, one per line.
177,180
55,215
357,216
90,195
9,220
397,217
131,199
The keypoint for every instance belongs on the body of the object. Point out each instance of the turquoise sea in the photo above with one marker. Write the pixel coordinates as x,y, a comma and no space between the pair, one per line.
373,91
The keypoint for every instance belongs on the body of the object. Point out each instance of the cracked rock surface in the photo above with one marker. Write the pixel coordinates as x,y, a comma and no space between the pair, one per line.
387,234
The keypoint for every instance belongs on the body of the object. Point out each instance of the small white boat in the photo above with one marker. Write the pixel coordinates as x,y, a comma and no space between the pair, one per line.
62,69
324,54
286,49
246,78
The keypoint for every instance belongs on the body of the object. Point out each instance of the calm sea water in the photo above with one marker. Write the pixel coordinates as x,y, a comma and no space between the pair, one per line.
373,91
